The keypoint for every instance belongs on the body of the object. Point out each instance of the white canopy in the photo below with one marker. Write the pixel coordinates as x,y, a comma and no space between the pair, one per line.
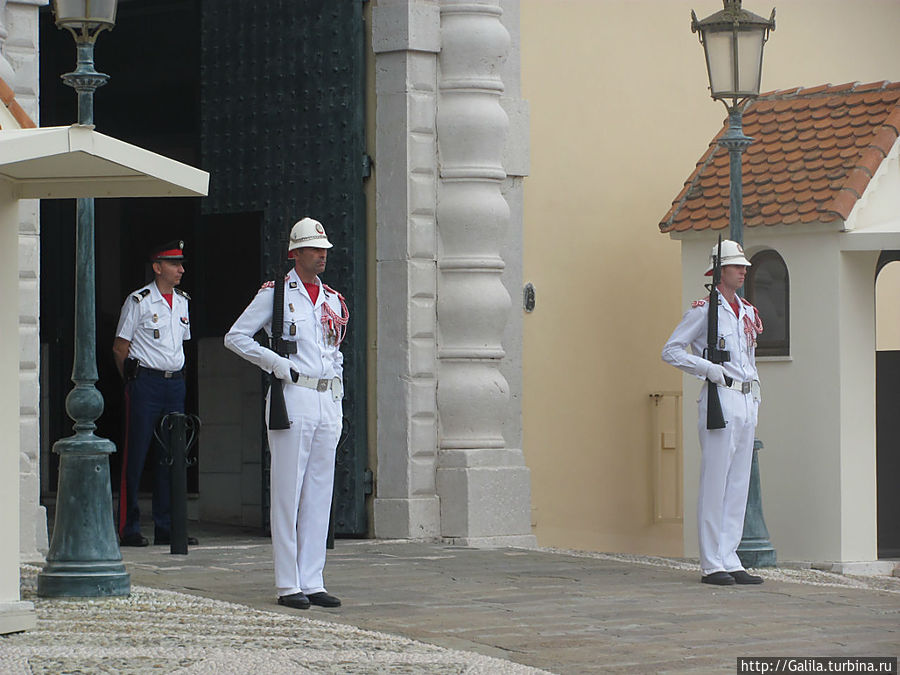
76,161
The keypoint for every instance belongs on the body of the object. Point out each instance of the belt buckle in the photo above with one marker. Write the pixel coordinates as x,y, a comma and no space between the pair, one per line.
745,387
322,385
168,374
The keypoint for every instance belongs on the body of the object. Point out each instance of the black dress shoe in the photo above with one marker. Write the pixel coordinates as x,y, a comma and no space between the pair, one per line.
323,599
295,600
719,579
166,539
744,577
136,539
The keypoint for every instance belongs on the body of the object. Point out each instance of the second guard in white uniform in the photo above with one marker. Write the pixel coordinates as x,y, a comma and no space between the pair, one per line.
302,467
726,453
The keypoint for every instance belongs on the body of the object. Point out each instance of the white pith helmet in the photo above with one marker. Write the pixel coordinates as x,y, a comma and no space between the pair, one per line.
308,232
732,254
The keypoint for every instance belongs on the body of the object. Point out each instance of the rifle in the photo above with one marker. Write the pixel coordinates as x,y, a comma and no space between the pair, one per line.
278,417
714,416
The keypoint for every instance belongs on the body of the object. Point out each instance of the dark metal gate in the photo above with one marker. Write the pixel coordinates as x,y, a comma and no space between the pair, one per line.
282,134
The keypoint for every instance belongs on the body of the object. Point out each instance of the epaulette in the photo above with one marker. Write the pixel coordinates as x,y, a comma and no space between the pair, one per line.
329,289
746,302
182,293
271,284
699,303
140,295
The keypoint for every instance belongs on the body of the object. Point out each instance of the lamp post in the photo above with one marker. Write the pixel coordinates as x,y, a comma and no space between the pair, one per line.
733,41
84,558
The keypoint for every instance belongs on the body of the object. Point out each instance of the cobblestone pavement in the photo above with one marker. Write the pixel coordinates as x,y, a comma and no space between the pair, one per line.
429,607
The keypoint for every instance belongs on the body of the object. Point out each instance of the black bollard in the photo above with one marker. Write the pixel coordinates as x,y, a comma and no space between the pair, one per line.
174,428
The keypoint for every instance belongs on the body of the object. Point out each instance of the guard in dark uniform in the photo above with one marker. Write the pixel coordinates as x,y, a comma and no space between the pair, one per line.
149,354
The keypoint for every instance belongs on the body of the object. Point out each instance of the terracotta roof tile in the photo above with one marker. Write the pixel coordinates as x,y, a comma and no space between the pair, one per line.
816,90
893,120
857,181
840,88
870,159
844,141
884,139
814,153
22,117
810,217
842,204
872,85
806,206
8,97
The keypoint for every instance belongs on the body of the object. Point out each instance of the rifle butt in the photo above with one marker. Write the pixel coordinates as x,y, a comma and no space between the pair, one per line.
278,416
715,419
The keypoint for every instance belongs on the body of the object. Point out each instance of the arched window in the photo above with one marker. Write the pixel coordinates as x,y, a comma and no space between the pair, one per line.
768,287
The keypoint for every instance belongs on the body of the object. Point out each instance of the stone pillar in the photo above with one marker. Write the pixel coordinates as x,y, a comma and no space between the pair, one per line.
19,46
406,40
484,486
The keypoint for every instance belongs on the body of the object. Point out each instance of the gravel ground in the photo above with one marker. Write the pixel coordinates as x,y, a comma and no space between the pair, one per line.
157,631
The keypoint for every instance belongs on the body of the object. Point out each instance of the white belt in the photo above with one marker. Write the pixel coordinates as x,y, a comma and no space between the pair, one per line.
747,388
322,385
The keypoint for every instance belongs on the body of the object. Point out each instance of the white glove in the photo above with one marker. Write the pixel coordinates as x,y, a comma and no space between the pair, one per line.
716,374
282,368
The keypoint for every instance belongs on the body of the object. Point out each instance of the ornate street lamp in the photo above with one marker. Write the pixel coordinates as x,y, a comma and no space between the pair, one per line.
84,558
733,41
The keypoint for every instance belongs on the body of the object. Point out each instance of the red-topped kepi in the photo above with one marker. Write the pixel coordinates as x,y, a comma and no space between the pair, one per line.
171,250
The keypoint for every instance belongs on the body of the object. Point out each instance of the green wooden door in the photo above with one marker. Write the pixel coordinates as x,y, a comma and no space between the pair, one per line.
282,135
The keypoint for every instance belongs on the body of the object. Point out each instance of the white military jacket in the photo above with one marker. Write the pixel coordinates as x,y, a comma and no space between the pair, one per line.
156,331
318,353
738,332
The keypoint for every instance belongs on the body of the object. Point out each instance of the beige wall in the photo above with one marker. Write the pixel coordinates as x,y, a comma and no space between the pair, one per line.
887,307
619,114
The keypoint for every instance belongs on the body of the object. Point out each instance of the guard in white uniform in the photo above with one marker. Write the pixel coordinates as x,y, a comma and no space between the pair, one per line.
148,350
726,453
302,468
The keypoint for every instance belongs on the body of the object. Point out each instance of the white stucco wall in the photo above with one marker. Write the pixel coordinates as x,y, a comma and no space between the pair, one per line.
14,615
21,51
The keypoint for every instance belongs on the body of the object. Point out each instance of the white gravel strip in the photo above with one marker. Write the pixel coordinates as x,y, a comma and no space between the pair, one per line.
790,575
158,631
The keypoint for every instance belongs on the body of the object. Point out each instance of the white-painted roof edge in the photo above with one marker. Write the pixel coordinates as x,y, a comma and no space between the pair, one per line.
77,161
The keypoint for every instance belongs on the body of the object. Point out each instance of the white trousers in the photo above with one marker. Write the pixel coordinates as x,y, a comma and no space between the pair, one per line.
301,483
724,480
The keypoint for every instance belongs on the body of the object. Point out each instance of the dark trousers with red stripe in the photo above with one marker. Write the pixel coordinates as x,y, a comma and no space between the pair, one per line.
147,399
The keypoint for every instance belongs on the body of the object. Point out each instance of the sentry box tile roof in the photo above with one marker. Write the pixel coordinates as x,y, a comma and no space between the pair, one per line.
8,98
814,151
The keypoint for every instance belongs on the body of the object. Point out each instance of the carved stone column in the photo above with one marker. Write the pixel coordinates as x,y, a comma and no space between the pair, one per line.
6,69
484,486
406,39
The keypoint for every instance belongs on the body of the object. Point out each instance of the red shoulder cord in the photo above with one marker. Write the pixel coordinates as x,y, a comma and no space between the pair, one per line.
332,323
752,327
